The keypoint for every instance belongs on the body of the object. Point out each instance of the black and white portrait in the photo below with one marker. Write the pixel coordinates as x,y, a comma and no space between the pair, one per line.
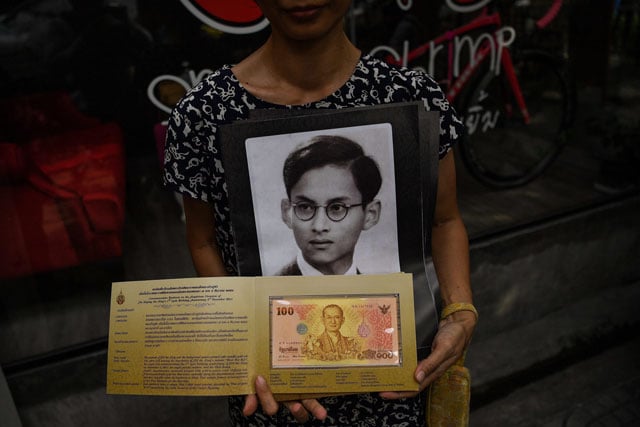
325,201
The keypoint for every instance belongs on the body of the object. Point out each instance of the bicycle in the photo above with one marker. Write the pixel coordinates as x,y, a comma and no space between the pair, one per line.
516,104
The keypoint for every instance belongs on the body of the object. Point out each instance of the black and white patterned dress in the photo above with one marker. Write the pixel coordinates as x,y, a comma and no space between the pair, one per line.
193,167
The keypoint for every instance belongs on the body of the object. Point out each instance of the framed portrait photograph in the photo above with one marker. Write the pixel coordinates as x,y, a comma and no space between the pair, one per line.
336,192
282,237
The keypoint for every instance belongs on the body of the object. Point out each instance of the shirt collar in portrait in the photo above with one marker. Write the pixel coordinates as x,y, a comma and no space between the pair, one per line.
308,270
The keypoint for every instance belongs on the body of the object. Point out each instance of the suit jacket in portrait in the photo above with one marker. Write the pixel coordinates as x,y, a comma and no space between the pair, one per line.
323,348
292,269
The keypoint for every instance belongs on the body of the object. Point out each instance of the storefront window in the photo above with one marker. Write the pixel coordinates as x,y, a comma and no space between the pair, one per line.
86,87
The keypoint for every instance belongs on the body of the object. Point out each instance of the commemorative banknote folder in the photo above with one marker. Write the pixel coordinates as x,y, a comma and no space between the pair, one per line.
305,335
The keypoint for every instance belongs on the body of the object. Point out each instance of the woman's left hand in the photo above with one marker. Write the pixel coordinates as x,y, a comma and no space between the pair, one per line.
449,344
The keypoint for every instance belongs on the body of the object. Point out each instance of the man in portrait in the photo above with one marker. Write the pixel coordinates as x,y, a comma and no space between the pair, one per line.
331,187
331,344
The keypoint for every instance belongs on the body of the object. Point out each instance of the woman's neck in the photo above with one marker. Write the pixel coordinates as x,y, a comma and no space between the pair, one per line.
292,73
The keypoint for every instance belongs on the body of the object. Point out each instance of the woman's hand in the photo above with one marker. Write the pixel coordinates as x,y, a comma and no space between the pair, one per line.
301,410
449,344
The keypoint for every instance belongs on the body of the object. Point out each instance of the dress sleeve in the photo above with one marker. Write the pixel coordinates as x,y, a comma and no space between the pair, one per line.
451,127
189,164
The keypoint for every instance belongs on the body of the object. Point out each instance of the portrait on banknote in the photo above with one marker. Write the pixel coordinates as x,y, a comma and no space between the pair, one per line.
329,331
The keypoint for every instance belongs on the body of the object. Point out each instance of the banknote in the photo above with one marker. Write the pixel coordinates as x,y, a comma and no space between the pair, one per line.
335,331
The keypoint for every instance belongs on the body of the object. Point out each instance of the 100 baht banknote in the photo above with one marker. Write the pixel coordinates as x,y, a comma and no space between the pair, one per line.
335,331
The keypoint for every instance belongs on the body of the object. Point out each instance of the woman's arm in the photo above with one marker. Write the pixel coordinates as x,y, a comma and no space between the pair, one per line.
201,238
450,251
450,245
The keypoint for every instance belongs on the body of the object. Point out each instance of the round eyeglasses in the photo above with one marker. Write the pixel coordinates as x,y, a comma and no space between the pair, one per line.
336,211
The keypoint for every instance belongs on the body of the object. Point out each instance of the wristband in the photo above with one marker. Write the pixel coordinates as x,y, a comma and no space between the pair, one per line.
458,306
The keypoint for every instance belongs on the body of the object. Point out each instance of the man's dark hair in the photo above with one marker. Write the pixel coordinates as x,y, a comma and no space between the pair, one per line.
336,150
333,306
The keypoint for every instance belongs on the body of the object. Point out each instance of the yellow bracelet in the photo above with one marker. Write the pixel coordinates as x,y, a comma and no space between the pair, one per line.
458,306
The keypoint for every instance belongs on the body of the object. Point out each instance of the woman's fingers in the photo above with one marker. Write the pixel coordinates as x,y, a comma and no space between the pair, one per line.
266,398
305,409
315,408
300,410
250,405
390,395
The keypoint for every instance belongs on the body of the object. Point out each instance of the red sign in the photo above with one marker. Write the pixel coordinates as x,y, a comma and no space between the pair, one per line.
236,17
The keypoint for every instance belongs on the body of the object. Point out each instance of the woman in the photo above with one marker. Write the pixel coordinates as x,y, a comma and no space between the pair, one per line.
308,62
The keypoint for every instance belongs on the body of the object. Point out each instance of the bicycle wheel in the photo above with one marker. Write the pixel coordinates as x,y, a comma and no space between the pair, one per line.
500,149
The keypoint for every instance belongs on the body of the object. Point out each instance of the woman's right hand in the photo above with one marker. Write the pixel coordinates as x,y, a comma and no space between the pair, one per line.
301,410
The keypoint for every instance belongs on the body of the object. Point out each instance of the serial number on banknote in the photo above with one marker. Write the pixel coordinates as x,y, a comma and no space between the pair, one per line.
335,331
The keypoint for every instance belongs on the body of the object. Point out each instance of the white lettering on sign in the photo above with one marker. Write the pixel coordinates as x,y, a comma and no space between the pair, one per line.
477,118
404,5
501,39
464,6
